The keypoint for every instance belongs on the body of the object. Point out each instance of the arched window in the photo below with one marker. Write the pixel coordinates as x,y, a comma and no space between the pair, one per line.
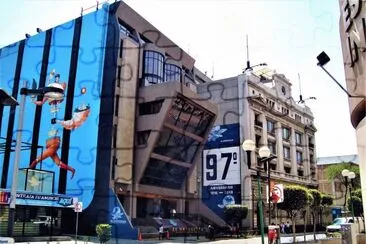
172,73
153,68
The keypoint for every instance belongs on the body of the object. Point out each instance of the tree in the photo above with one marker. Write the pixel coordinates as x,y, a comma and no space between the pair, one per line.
295,200
235,213
315,207
326,201
309,202
356,200
104,232
335,172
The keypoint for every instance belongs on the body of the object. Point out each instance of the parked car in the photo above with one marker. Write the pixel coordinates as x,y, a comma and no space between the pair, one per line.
336,225
45,220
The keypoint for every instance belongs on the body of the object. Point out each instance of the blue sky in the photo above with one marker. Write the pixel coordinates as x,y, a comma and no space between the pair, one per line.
286,34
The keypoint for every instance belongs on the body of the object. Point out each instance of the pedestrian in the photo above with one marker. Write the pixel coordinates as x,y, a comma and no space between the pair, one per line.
211,230
237,231
161,232
288,227
282,226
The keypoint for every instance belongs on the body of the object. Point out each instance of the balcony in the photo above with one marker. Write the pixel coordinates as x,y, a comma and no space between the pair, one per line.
312,166
311,145
258,124
287,163
258,129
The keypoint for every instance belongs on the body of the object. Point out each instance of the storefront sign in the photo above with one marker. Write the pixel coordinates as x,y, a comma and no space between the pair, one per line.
25,197
355,28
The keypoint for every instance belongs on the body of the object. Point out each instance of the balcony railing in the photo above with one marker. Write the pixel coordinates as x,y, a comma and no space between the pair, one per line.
258,123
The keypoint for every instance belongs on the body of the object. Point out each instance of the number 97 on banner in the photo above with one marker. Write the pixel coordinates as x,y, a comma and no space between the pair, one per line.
221,166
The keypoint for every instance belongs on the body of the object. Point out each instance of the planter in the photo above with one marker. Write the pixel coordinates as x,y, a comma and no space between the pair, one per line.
332,241
361,238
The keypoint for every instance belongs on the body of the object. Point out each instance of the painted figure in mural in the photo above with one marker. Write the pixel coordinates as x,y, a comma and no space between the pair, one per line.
52,145
81,113
53,98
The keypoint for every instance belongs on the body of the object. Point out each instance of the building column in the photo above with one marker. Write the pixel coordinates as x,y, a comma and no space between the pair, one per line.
306,157
264,139
279,147
361,148
293,152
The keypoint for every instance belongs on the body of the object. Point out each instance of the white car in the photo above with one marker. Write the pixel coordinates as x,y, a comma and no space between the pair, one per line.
336,225
46,220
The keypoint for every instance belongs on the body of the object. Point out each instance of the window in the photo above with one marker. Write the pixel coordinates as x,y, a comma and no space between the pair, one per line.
116,108
298,138
297,117
115,162
286,133
143,137
285,111
172,72
272,147
119,71
120,48
150,107
299,158
286,153
163,174
270,126
257,122
153,68
270,103
114,139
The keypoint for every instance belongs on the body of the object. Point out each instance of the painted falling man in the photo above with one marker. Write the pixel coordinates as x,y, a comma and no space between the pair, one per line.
80,114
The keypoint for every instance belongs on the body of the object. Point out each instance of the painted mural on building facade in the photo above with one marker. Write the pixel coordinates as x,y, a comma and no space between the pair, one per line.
221,168
59,136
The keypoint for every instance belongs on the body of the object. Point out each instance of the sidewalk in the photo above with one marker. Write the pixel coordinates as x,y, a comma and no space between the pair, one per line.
193,239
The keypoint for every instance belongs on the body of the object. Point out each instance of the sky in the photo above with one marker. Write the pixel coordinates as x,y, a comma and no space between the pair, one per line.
286,34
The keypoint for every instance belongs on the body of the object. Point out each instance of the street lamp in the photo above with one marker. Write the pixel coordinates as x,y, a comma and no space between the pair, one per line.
249,146
323,59
348,175
52,92
265,155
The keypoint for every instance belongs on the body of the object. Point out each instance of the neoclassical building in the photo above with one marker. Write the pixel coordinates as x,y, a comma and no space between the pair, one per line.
260,103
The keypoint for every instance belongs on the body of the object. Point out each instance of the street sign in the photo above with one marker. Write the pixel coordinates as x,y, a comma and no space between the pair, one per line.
78,207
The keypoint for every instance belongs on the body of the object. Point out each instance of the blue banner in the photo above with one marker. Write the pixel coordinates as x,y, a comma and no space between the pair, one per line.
223,136
221,168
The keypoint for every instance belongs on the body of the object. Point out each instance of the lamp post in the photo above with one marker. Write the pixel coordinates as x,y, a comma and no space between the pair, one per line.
348,175
51,92
265,155
249,146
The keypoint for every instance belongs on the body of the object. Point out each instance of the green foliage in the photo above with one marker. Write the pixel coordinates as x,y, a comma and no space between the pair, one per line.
317,198
326,200
104,232
356,199
334,235
335,172
296,198
235,212
357,193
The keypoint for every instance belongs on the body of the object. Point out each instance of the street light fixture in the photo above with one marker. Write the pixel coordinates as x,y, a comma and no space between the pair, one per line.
249,146
265,155
323,59
348,175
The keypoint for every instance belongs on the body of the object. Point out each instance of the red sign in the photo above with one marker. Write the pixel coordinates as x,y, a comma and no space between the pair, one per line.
4,197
